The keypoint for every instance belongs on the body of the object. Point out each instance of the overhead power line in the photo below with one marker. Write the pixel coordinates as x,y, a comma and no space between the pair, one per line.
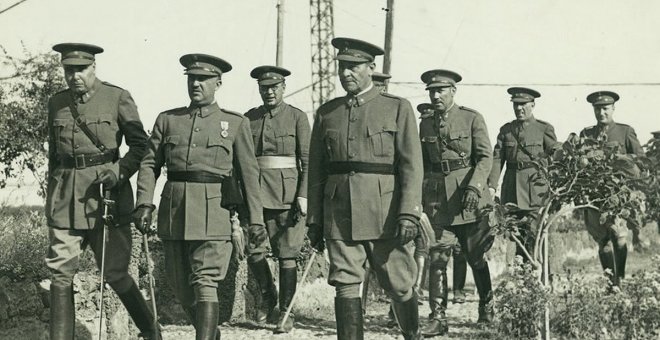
534,84
12,6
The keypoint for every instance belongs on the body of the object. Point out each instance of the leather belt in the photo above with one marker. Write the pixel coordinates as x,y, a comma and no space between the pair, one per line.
277,162
522,165
448,165
337,168
194,177
85,160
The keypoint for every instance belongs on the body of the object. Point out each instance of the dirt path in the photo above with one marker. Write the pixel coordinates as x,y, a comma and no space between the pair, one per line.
462,323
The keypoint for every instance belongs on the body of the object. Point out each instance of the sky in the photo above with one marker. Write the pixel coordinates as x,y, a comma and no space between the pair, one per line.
565,49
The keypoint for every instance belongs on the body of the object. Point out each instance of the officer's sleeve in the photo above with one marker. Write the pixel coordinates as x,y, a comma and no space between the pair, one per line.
550,143
583,133
52,143
245,163
131,128
408,157
632,143
498,161
482,154
302,151
151,164
317,174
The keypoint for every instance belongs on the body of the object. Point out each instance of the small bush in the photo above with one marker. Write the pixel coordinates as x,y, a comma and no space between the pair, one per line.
23,243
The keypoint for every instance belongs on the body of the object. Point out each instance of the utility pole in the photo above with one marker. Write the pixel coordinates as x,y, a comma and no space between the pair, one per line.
389,28
324,68
280,32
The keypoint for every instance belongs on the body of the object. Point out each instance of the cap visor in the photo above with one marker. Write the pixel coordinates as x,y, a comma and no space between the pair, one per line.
201,73
269,81
77,61
352,59
432,86
521,100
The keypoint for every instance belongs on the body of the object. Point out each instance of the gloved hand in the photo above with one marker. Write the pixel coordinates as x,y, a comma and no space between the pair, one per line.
142,217
470,199
301,202
257,234
408,229
107,178
315,236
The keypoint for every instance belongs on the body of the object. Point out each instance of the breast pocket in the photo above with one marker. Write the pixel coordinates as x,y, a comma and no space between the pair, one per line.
286,142
461,141
169,143
61,129
332,146
534,148
431,144
105,128
221,147
382,139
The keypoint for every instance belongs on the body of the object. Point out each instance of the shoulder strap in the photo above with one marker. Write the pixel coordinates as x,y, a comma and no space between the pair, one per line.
522,148
85,129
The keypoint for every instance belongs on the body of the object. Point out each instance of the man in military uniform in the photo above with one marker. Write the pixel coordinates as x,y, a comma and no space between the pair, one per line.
281,144
520,143
86,124
380,80
201,145
457,159
364,196
611,237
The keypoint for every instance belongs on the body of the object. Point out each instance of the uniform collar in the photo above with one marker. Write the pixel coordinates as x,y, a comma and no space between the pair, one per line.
531,119
363,97
448,112
204,111
90,92
604,127
274,111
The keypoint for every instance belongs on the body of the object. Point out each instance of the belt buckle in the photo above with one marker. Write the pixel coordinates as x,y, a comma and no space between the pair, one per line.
78,164
444,166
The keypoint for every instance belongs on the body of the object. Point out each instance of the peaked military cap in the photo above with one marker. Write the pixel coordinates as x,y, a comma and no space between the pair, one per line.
380,78
354,50
77,53
656,134
269,75
440,78
602,98
425,108
204,64
522,94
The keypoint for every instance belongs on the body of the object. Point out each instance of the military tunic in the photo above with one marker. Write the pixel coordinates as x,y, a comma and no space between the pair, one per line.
281,133
624,138
359,210
73,208
518,144
207,139
460,140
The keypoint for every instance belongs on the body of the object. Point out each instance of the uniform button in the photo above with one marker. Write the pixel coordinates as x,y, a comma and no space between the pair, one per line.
351,155
189,162
351,173
196,129
76,146
194,145
351,138
76,130
353,119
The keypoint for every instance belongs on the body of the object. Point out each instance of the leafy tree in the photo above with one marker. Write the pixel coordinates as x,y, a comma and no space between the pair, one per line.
24,93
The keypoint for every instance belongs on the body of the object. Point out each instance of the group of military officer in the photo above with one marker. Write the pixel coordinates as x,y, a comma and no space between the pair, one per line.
360,183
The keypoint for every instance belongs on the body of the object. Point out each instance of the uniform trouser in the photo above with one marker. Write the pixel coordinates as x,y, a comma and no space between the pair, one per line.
611,237
66,245
194,268
460,267
285,234
392,262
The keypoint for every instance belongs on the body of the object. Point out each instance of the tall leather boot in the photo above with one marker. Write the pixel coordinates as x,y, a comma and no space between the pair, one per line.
62,317
192,315
458,282
348,313
620,257
407,315
206,320
485,289
140,312
288,282
419,281
268,291
438,302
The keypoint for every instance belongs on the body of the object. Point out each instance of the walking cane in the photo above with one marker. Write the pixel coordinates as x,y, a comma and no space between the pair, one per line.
107,219
150,276
293,298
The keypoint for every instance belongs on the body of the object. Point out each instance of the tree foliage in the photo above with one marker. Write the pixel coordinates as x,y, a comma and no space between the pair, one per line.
24,93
